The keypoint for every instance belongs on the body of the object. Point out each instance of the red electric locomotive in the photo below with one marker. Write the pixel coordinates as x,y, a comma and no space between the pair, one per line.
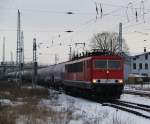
100,73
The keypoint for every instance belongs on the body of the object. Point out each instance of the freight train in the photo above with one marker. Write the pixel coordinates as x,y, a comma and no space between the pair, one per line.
97,73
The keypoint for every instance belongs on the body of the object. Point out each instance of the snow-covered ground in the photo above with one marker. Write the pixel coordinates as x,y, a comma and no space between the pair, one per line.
145,87
135,99
64,109
94,113
5,102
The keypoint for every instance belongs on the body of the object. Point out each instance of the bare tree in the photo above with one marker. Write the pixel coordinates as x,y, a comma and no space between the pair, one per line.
108,41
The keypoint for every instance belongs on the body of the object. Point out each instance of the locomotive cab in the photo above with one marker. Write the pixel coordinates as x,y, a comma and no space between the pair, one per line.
107,75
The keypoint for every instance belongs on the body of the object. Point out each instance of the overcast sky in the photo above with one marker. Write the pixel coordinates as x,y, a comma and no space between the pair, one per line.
47,21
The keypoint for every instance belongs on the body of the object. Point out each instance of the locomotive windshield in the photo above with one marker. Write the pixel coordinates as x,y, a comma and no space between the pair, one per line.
101,64
113,64
107,64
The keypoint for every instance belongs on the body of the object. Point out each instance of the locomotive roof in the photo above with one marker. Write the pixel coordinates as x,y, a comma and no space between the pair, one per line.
89,55
96,53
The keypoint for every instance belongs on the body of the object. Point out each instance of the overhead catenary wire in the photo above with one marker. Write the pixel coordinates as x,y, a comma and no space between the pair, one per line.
91,20
65,12
48,11
98,8
36,30
129,26
58,12
121,6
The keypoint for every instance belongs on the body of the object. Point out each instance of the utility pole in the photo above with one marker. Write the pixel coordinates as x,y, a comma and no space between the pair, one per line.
19,53
3,57
11,60
111,46
3,49
34,74
11,57
56,59
120,37
70,51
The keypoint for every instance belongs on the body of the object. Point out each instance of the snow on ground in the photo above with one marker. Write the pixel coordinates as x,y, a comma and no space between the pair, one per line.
5,102
32,87
145,87
135,99
92,112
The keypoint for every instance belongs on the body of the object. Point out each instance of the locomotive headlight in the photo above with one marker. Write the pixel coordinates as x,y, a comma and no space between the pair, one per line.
120,81
94,81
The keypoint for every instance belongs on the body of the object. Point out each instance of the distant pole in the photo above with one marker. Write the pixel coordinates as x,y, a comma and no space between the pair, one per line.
3,49
11,60
34,74
70,51
120,37
11,57
56,59
3,57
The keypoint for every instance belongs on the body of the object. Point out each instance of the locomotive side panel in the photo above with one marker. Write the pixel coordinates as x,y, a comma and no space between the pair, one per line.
87,70
77,74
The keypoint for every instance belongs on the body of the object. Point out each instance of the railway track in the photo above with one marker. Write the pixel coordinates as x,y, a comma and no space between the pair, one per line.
134,108
138,92
131,107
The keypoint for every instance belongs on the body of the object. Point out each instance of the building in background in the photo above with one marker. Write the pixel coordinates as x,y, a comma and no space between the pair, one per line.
140,64
137,66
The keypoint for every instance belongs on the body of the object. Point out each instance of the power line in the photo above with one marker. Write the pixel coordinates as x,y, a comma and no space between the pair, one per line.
91,20
120,6
71,12
48,11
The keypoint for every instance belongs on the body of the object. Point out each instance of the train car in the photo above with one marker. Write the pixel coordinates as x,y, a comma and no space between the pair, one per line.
100,74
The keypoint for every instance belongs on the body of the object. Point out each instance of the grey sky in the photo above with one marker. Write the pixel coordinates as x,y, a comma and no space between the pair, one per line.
46,20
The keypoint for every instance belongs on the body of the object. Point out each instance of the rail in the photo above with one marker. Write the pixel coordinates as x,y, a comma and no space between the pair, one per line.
131,107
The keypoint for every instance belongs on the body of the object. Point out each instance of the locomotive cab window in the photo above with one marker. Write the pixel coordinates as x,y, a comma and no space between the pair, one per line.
100,64
107,64
114,64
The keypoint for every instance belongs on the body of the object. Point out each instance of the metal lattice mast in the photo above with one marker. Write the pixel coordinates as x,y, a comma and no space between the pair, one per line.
18,52
22,51
34,74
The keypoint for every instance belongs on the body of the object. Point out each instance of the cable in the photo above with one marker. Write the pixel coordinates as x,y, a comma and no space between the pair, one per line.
121,6
48,11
